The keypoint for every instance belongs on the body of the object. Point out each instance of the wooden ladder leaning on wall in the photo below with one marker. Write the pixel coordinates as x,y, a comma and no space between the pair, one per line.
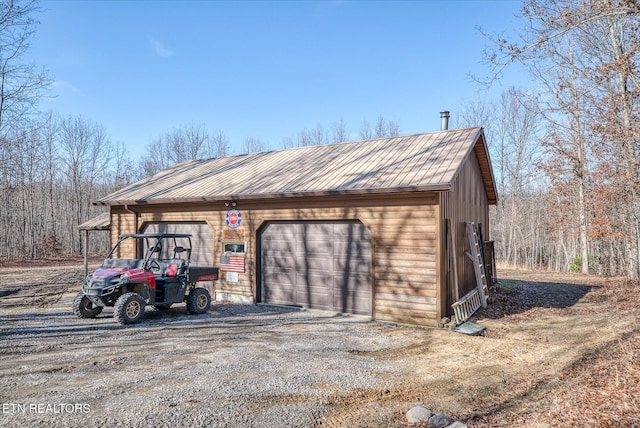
477,257
476,298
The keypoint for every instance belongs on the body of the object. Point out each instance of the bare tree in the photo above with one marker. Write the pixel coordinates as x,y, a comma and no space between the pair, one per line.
586,54
366,131
339,132
21,85
85,152
123,168
218,145
477,112
252,145
288,143
58,167
183,143
382,128
311,137
50,128
513,128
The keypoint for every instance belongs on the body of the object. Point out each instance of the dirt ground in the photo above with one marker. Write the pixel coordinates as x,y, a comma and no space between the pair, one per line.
559,350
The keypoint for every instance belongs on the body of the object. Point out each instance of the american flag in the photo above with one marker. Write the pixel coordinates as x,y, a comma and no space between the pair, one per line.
232,264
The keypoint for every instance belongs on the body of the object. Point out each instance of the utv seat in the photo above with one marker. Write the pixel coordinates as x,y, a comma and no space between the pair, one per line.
171,268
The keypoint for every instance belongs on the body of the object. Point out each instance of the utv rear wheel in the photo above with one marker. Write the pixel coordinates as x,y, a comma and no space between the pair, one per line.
198,301
83,307
129,308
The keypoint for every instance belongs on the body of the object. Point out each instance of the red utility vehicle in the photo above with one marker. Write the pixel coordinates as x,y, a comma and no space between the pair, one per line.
161,277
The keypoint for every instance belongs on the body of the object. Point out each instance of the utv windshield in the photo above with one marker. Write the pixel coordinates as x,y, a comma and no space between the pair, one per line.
148,247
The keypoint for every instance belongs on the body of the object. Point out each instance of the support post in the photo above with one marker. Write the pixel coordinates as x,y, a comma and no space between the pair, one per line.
86,247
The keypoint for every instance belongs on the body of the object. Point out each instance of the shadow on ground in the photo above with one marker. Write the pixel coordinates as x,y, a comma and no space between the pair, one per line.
514,296
47,324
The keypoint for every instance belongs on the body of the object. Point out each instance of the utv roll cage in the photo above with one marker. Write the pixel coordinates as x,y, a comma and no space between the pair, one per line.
153,249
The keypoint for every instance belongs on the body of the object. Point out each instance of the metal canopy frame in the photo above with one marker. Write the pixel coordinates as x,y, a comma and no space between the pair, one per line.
100,222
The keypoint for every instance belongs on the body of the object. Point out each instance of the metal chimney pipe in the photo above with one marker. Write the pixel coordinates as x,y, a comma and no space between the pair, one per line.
444,120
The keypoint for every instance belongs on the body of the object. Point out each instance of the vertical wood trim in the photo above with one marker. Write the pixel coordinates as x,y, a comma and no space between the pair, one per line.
255,225
85,249
373,235
213,226
440,276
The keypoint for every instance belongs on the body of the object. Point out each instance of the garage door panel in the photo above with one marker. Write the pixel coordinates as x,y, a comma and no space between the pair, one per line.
311,229
313,263
314,279
277,244
281,296
352,304
273,261
279,254
317,299
306,246
282,278
332,264
351,264
288,232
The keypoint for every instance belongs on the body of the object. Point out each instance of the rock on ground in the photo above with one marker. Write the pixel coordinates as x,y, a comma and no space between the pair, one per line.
418,414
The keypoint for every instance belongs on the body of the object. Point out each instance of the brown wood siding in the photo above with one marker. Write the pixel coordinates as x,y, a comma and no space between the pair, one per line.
122,222
467,201
404,231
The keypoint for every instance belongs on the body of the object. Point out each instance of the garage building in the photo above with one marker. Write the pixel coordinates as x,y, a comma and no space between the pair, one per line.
358,227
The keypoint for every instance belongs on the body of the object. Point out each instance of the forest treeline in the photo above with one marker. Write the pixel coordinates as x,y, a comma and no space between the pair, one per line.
52,168
565,151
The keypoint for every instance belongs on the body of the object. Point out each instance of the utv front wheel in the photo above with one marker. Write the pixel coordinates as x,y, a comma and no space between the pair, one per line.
83,307
198,301
129,308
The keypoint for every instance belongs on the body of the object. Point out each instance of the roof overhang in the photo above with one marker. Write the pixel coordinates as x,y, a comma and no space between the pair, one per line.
443,187
100,222
482,153
155,235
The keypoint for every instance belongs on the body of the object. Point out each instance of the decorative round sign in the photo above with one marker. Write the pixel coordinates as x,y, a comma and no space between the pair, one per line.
234,218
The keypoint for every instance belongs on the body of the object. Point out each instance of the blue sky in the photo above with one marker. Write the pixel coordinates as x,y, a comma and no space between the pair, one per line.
263,69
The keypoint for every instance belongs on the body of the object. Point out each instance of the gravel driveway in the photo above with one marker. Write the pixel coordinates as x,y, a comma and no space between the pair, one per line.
237,365
551,339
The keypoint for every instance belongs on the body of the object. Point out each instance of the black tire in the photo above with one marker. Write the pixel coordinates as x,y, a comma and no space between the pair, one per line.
129,308
198,301
84,308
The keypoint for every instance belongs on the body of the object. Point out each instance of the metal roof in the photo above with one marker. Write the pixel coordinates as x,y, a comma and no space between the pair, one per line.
99,222
412,163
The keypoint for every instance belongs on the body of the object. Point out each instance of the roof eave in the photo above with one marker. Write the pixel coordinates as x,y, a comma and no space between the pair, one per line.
489,179
441,187
484,160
